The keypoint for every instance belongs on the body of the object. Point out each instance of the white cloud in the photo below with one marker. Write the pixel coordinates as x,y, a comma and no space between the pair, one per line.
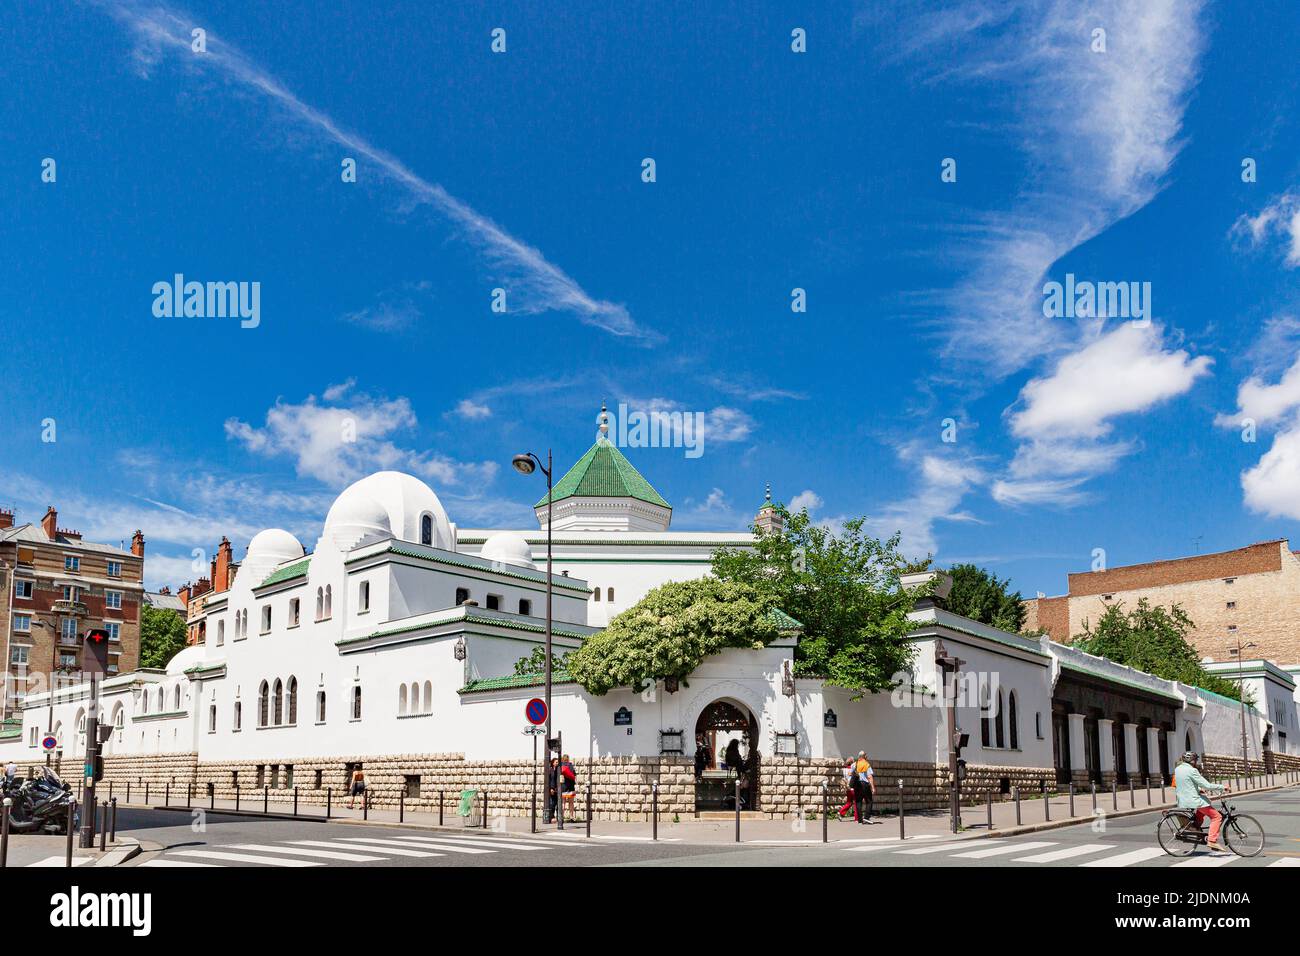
472,410
535,284
1265,403
1279,218
337,445
805,499
944,480
1272,486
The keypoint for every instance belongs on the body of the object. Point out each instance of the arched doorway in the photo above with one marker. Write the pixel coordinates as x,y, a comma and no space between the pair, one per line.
726,752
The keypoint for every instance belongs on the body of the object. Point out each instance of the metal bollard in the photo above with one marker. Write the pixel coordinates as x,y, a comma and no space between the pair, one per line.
103,830
146,793
901,834
439,808
212,797
189,795
112,820
1047,803
589,804
167,796
654,811
737,790
365,806
1148,790
988,806
1094,796
329,801
72,826
128,791
266,797
1071,798
1015,792
1132,800
236,797
295,800
485,806
1114,794
110,790
826,810
401,806
4,833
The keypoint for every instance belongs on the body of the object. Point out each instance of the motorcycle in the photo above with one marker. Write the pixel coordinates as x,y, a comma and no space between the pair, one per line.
40,804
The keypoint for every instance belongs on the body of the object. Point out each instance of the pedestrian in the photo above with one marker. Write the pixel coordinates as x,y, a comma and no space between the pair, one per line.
702,757
11,772
732,756
850,789
568,786
866,789
552,775
357,787
1188,787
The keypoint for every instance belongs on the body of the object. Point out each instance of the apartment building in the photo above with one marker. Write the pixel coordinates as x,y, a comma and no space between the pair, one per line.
54,587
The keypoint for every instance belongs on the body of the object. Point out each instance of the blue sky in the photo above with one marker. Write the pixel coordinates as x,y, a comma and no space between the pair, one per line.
775,170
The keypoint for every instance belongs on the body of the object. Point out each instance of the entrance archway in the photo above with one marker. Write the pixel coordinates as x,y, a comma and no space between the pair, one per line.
726,753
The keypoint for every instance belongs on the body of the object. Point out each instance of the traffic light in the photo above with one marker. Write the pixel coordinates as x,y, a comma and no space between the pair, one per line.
96,656
98,768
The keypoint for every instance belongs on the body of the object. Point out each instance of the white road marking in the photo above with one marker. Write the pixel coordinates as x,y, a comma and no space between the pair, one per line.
1129,858
1210,859
163,861
1005,848
1068,853
390,850
62,861
1286,861
242,857
933,849
449,845
496,844
323,854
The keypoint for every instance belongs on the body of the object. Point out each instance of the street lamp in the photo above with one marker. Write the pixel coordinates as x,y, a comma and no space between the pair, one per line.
526,464
1241,690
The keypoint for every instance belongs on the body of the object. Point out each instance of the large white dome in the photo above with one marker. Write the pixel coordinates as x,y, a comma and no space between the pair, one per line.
269,548
387,503
508,547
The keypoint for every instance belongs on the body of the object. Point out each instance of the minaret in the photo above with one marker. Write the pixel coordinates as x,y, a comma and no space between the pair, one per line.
769,520
602,433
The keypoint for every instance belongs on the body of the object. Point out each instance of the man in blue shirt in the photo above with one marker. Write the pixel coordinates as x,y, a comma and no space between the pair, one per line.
1188,784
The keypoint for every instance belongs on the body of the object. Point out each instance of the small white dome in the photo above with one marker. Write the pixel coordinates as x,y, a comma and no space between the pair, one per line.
508,547
387,503
184,660
274,543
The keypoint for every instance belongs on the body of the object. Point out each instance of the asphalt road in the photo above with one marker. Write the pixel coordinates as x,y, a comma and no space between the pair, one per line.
195,839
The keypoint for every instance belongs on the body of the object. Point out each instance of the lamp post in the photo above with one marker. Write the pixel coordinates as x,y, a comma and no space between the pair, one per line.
526,464
1241,689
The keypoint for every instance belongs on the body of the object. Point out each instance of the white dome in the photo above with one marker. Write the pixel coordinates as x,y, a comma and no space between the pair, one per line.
508,547
387,503
268,549
185,659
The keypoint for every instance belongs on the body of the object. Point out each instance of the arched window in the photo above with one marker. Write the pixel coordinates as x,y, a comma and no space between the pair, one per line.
119,721
293,700
329,601
81,730
525,607
239,716
1013,721
999,723
221,633
320,707
356,702
212,719
320,603
986,725
401,701
161,705
595,594
609,594
428,697
415,698
1187,743
144,702
426,529
263,694
277,708
176,698
462,595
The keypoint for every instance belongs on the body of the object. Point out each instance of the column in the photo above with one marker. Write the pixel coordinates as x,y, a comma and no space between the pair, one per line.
1078,753
1135,771
1106,737
1153,753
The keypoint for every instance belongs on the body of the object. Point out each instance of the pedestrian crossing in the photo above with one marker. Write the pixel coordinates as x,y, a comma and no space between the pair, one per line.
353,850
1092,855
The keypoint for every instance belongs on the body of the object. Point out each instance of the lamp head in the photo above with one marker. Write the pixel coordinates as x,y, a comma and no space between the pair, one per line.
523,464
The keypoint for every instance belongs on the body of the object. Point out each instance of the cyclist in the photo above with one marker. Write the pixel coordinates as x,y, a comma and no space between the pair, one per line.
1188,784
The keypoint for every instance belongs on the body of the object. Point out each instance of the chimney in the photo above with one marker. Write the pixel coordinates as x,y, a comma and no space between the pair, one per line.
137,543
184,593
201,586
221,573
6,518
165,589
50,523
941,582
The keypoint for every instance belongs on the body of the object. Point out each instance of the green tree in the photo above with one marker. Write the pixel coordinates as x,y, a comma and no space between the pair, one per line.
842,586
670,631
534,662
979,595
162,635
1152,639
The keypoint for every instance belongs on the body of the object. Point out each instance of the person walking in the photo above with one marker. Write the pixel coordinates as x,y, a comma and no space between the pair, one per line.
568,786
552,777
1188,787
866,788
850,789
357,787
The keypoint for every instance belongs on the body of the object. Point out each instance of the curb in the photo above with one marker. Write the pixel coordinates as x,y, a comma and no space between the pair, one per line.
129,849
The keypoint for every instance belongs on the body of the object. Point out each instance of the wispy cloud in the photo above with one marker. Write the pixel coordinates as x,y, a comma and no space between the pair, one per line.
535,284
942,480
1279,219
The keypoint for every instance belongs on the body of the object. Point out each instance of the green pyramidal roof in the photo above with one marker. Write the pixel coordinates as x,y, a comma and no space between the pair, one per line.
604,472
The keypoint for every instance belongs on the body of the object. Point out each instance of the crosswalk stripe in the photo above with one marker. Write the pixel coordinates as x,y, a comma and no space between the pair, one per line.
931,849
1068,853
163,861
62,861
1129,858
1005,848
498,844
1286,861
448,845
243,857
1210,859
323,854
390,847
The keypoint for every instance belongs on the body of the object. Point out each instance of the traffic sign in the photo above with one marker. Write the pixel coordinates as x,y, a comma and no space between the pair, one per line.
535,711
49,742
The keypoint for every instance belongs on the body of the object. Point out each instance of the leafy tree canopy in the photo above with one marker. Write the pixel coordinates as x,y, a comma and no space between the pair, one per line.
162,635
843,586
535,662
1152,639
979,595
670,631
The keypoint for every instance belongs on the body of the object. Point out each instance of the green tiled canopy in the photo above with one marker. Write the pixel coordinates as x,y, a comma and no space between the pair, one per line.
604,472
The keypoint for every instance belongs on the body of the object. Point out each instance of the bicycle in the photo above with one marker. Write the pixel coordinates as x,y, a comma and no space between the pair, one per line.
1179,836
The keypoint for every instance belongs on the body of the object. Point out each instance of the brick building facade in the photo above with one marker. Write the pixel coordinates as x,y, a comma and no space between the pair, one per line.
53,588
1251,594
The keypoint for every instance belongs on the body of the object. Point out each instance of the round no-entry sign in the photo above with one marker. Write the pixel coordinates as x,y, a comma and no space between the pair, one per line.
49,742
535,711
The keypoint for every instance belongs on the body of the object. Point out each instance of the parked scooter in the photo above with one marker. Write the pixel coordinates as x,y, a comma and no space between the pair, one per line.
40,805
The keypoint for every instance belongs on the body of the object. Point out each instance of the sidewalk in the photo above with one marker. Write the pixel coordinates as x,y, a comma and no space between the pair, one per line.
27,849
1035,814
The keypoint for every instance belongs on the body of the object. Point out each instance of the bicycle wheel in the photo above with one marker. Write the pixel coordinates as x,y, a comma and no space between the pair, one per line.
1244,835
1167,830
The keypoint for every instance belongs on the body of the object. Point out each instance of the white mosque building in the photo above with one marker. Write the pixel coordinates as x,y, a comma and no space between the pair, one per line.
392,644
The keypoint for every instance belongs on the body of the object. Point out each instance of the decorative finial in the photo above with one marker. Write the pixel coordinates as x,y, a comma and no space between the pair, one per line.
768,496
604,422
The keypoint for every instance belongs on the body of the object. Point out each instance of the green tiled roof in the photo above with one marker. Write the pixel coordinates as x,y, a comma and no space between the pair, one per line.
295,570
558,676
604,472
784,622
